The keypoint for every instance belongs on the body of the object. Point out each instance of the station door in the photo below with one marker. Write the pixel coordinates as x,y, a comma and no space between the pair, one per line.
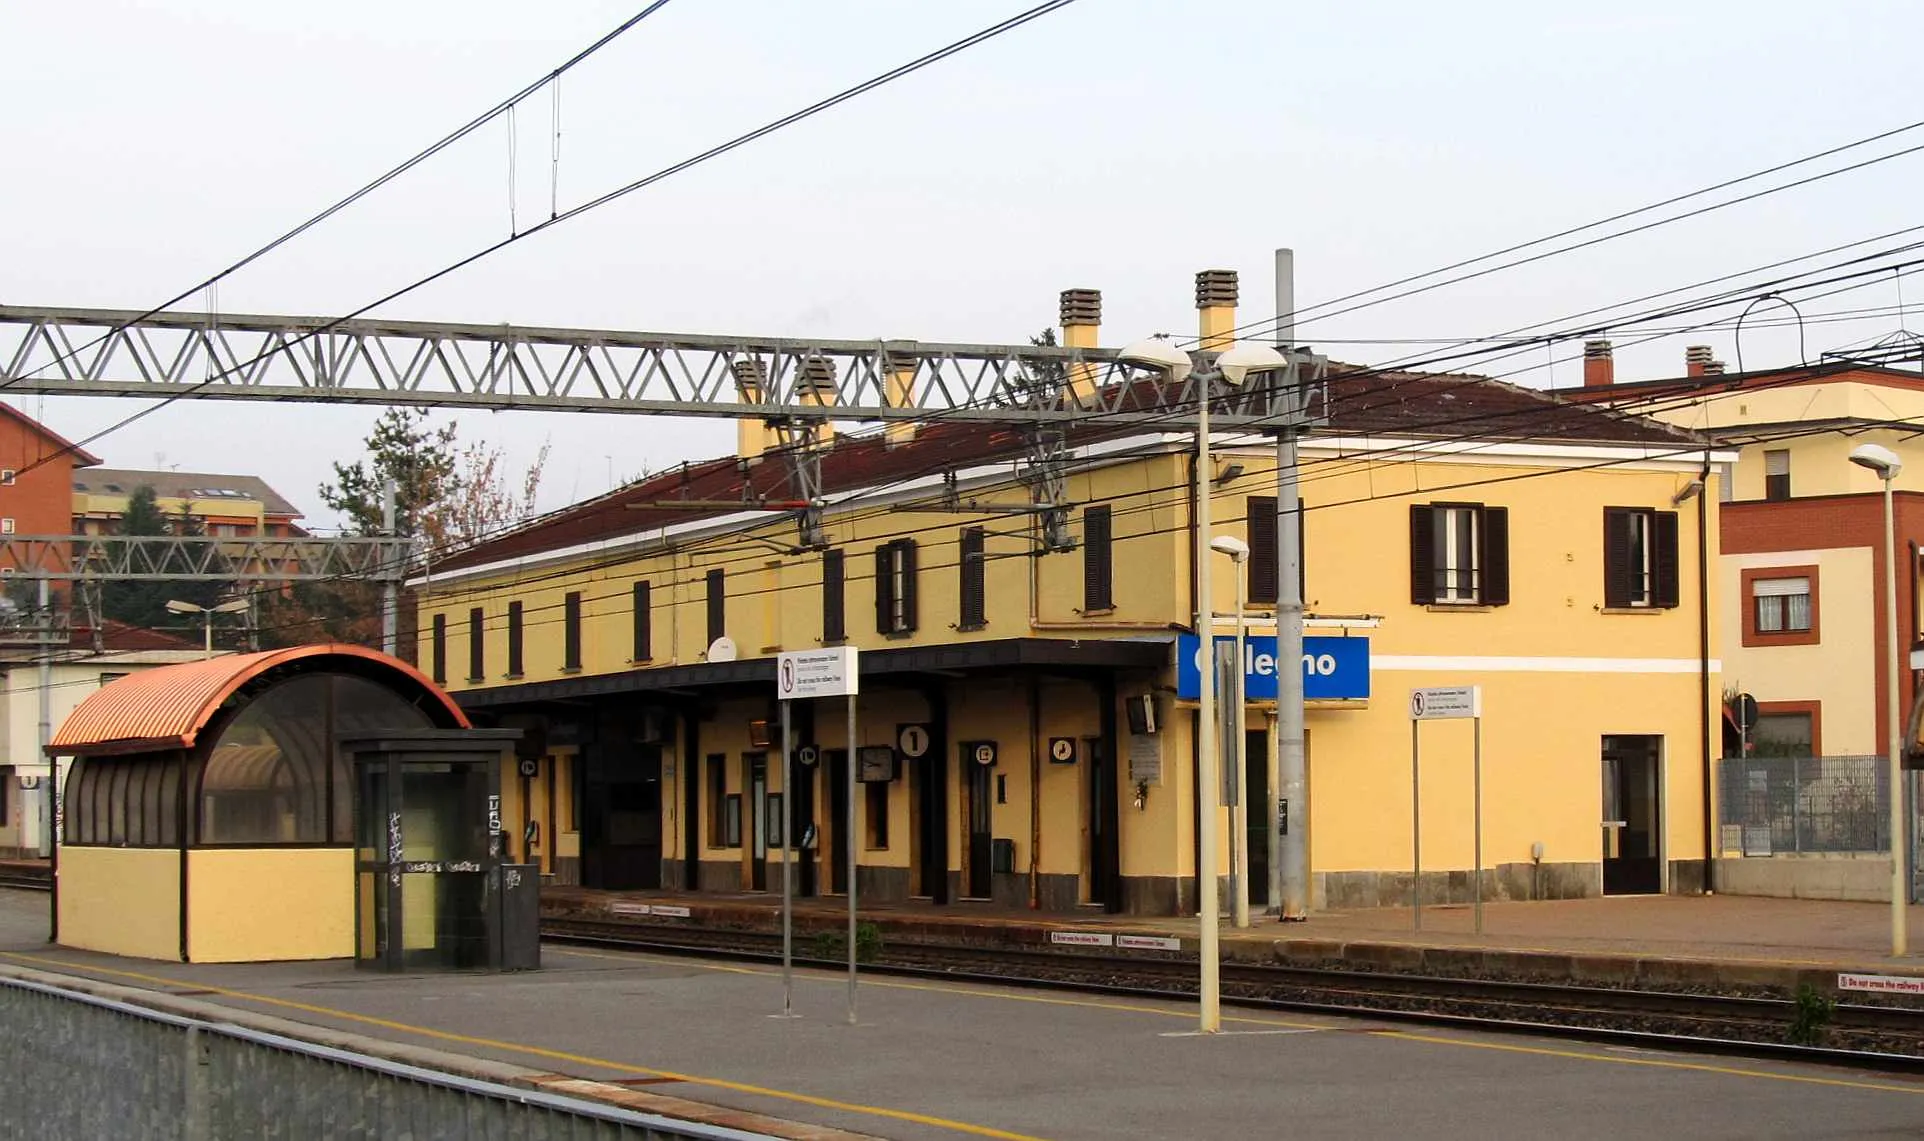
1632,815
621,816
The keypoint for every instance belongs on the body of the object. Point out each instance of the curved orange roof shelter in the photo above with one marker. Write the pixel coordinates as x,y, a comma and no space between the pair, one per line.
166,708
209,808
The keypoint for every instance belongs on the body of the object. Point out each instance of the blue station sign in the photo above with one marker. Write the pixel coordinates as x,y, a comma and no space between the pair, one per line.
1334,669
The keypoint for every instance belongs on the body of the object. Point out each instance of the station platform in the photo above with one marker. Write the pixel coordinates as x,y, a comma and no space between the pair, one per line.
935,1060
1657,941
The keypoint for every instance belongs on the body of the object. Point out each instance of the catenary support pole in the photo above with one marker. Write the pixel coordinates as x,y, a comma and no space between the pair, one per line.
1900,882
50,790
1290,782
788,868
848,819
1239,751
1208,767
1703,679
390,577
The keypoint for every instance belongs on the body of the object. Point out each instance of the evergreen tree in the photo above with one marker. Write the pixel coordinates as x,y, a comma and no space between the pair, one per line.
144,602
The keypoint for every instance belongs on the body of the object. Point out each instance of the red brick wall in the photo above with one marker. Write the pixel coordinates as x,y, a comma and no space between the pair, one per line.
40,501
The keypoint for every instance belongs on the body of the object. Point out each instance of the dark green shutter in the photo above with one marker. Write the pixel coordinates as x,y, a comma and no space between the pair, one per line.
1098,560
973,602
477,644
1663,558
571,631
514,639
438,650
1422,554
1259,523
1495,556
906,552
834,608
1619,568
644,624
717,604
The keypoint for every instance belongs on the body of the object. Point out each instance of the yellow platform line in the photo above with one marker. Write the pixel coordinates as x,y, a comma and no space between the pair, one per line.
539,1051
1184,1013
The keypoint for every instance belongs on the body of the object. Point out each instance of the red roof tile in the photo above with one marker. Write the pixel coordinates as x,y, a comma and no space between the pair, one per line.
166,708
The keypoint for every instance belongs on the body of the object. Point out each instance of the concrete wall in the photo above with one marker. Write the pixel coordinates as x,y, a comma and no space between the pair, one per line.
1866,878
247,905
123,901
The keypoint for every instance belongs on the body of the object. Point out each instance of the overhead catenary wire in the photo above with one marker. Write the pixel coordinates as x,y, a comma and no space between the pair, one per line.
463,131
724,538
1307,311
880,80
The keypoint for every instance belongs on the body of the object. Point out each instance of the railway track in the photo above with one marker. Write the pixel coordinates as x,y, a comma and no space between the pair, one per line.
1865,1036
1886,1038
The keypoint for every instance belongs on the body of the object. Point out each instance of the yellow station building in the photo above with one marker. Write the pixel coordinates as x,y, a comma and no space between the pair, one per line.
1457,531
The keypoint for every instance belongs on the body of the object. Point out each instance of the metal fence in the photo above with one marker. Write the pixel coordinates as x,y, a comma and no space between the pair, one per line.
81,1068
1795,805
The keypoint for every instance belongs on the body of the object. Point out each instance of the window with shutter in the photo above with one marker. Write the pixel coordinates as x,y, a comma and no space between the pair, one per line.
973,610
477,646
1098,565
571,631
644,647
1777,474
1459,554
717,585
1259,523
1640,559
895,600
438,650
834,598
514,639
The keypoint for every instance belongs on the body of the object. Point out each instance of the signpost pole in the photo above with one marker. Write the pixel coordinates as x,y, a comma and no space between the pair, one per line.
1416,829
788,871
849,818
1476,793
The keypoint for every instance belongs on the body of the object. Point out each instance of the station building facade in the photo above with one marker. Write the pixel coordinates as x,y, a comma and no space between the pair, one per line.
1460,530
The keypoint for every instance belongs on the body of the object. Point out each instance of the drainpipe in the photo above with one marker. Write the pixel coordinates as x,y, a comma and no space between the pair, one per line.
1703,678
1035,793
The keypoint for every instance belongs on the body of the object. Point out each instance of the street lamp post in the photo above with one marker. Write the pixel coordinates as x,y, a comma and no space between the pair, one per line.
207,618
1232,365
1238,552
1887,465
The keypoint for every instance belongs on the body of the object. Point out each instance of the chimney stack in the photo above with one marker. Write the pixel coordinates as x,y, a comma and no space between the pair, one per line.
1599,367
1215,309
898,391
751,435
1080,314
1713,368
816,387
1697,360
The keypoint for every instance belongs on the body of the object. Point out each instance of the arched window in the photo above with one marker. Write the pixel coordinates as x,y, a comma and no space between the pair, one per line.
274,774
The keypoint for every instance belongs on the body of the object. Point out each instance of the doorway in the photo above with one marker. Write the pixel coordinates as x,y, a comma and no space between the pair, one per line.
755,843
835,761
621,816
978,799
1258,825
1632,815
801,825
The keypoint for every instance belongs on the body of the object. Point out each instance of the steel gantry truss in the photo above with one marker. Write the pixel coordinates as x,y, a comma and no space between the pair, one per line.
134,558
102,352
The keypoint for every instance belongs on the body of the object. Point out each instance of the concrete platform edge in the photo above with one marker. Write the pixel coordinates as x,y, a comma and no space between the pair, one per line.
463,1065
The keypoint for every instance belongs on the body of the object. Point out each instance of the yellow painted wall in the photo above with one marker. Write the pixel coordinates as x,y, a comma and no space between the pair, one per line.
121,901
1839,671
1560,673
250,905
1818,463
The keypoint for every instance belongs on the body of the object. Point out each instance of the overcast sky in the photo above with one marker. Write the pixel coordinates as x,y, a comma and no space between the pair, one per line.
1118,144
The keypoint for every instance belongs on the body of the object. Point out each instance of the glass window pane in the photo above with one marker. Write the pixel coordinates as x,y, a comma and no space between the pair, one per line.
1797,612
169,802
117,804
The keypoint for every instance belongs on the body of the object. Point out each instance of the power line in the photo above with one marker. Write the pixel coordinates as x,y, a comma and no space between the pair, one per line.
741,140
503,107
